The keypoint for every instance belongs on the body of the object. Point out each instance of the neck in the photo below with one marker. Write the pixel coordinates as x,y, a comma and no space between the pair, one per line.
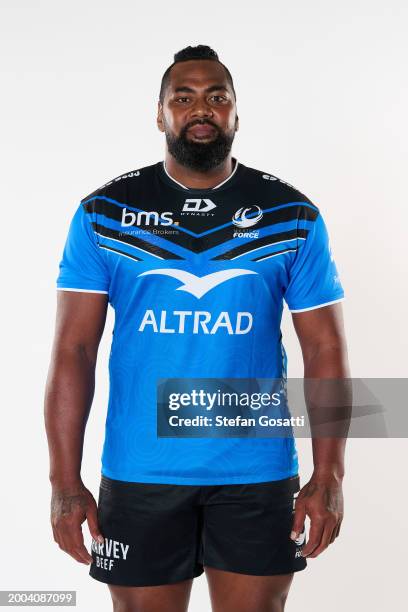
194,179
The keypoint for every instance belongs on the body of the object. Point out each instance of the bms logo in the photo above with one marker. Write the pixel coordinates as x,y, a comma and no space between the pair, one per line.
197,321
240,219
143,218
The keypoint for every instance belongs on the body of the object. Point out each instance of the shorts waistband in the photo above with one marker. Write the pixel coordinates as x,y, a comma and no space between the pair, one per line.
288,485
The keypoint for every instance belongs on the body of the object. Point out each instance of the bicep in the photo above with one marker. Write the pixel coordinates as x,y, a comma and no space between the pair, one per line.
80,320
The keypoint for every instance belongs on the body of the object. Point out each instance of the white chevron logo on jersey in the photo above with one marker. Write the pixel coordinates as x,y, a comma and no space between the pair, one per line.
199,285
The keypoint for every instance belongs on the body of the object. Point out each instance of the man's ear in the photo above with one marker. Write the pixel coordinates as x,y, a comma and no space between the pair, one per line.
160,124
236,123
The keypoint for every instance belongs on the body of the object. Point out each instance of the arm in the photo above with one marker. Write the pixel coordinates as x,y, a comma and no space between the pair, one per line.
69,393
322,339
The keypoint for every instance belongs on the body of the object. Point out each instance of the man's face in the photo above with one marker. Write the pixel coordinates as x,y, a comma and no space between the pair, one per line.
198,114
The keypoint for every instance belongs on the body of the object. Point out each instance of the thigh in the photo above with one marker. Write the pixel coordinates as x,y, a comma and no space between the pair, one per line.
170,597
151,533
233,592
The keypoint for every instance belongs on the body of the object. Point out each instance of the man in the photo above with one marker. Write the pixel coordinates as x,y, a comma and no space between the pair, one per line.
195,254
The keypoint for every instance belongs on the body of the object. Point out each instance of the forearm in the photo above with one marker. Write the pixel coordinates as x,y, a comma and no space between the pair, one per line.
68,398
328,394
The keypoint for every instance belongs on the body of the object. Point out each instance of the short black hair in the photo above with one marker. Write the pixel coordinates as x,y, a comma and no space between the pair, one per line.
200,52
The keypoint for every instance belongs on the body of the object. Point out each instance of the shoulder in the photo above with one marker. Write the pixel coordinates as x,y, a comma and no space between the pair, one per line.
120,186
269,185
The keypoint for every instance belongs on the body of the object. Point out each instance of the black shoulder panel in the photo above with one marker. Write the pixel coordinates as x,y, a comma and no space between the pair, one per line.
124,184
273,188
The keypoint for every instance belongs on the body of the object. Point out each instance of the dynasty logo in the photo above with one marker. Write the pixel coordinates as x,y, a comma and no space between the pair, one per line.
198,207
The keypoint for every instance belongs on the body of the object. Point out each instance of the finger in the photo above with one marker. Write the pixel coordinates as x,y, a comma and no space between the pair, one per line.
93,526
298,521
79,548
325,540
335,532
59,538
338,528
315,536
78,556
73,542
54,533
65,545
68,547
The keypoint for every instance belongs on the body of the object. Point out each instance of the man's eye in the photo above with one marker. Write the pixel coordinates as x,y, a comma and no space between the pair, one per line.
182,99
219,98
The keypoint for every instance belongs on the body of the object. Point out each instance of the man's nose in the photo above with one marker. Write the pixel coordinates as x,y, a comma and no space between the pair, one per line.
201,109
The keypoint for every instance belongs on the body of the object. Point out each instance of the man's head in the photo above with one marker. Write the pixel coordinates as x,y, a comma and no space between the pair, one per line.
197,109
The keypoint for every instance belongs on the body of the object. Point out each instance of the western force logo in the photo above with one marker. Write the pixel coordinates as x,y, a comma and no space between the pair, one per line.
241,219
198,206
142,217
198,321
199,285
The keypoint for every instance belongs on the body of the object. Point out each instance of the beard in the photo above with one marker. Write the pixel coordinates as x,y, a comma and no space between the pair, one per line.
201,156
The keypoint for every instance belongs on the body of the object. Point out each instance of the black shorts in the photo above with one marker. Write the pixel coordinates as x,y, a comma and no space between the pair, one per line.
160,533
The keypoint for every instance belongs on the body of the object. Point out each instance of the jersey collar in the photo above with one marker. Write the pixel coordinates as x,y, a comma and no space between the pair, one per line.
229,181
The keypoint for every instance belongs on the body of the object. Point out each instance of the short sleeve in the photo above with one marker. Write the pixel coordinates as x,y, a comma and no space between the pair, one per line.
82,266
313,278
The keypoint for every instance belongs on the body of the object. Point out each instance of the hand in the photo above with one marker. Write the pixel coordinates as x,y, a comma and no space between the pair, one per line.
69,509
322,500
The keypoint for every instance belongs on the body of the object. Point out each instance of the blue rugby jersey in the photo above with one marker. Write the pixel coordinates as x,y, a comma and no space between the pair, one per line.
197,279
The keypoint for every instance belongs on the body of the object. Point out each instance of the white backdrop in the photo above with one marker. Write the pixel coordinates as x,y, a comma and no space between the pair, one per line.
322,99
